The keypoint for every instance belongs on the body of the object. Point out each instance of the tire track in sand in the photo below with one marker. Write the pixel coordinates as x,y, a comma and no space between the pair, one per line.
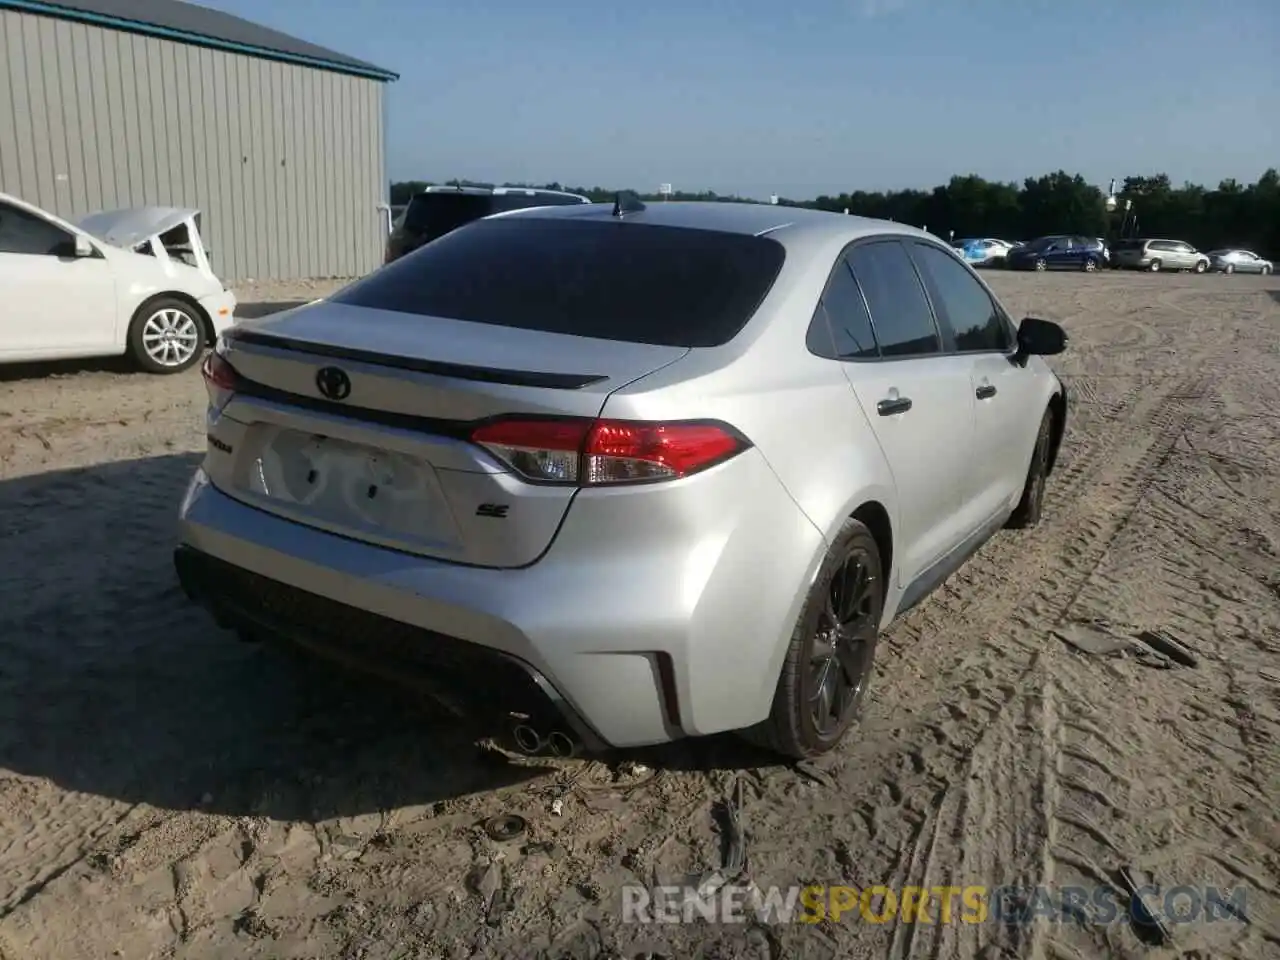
1007,766
1178,567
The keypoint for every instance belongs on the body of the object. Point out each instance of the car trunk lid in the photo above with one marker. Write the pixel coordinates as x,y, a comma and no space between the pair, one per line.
356,420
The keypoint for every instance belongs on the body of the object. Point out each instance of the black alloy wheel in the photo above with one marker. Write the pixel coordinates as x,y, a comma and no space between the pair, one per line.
843,645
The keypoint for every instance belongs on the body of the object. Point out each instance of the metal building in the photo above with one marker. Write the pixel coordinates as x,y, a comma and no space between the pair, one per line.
120,103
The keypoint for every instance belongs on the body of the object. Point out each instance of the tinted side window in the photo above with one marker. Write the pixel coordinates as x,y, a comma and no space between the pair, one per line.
20,232
433,215
848,318
900,313
969,311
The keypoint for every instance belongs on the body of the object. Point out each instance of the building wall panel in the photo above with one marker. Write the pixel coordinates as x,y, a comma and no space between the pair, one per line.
286,162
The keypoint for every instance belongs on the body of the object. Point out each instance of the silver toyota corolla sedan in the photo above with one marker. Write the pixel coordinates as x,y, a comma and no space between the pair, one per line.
626,473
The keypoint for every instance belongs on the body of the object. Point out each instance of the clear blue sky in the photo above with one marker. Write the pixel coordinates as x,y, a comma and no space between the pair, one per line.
830,95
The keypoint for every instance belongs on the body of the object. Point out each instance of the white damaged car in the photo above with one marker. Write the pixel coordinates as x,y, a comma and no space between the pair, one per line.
134,281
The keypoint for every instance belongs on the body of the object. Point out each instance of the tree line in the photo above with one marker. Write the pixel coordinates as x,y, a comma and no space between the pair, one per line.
1229,215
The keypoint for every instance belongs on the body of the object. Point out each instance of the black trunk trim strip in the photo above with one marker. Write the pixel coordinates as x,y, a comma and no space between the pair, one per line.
458,371
436,426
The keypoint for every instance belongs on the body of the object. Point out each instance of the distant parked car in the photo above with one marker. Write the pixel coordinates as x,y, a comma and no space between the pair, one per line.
1238,261
1157,255
983,251
133,281
1059,252
437,210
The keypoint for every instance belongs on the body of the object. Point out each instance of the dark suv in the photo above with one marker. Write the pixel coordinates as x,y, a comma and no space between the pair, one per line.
438,210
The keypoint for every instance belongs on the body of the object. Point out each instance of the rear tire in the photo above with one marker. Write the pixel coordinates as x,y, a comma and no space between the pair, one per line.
831,651
1230,268
1030,508
1090,265
1201,266
1155,266
1042,264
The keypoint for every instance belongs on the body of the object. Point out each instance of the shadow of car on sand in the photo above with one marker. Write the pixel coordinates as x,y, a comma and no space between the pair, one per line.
113,683
40,369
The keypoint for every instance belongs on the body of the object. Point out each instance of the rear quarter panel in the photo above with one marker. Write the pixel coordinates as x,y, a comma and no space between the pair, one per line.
796,408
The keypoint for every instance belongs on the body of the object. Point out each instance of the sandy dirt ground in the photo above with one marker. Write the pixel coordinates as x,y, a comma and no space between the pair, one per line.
168,792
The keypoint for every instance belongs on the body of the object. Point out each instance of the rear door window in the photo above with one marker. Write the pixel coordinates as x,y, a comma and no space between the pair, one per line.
842,317
900,311
634,282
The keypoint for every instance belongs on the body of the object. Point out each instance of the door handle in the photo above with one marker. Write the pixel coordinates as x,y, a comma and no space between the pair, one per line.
887,408
985,392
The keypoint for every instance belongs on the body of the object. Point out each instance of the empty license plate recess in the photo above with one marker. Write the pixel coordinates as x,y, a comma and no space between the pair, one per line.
344,485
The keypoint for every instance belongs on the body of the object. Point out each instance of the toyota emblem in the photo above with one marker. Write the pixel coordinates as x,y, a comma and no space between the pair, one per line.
333,383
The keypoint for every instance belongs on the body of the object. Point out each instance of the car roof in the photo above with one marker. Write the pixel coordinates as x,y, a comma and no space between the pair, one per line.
756,219
497,191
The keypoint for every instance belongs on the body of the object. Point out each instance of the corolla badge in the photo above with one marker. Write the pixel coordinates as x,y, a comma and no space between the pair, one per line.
333,383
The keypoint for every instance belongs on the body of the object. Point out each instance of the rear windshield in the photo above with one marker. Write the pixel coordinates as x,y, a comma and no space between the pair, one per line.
589,278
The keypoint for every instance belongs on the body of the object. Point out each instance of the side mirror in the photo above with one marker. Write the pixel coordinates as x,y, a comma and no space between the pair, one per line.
1039,338
82,247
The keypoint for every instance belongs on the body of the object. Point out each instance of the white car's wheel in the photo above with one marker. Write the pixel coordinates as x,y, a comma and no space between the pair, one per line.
1229,268
166,336
1266,270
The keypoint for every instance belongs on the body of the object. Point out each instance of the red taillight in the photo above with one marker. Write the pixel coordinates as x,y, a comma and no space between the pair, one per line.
592,452
218,373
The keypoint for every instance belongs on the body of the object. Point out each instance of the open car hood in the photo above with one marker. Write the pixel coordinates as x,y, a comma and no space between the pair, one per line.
170,234
132,226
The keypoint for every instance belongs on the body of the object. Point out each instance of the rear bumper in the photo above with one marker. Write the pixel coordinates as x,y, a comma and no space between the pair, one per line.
640,624
400,653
